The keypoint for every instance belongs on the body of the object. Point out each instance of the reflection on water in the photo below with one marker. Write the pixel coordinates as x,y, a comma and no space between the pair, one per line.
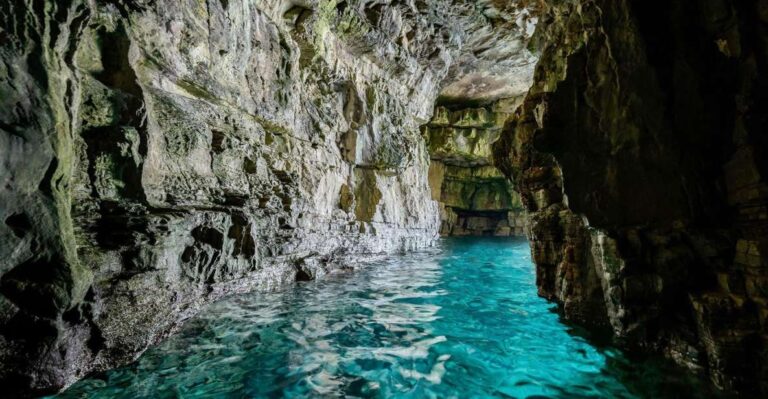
456,322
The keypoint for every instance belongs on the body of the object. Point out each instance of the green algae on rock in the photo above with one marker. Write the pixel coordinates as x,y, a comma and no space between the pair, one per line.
158,155
474,196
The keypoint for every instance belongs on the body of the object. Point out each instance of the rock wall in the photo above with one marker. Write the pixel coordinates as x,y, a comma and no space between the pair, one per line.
640,153
160,154
475,198
157,155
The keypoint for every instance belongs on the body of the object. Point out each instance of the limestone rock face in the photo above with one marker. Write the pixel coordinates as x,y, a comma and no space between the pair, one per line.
160,154
474,196
640,155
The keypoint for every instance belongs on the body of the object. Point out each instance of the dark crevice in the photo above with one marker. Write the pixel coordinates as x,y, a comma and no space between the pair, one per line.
302,275
39,286
19,223
47,184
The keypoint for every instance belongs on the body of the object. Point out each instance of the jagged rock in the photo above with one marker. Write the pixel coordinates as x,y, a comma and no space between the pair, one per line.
474,196
634,153
157,155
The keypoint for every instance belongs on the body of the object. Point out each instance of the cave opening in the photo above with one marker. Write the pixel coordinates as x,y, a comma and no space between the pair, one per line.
474,197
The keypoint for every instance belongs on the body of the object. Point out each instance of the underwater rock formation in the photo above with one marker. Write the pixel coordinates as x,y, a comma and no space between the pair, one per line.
157,155
474,196
640,153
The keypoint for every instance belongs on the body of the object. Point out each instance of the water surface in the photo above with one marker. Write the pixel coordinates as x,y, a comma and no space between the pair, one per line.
460,321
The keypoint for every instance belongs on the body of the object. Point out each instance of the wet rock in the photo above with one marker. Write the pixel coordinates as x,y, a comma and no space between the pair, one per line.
158,155
474,196
634,153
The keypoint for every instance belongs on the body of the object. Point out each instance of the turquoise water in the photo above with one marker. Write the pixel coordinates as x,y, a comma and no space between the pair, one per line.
460,321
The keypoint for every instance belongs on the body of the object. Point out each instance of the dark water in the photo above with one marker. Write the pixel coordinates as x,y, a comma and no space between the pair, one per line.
461,321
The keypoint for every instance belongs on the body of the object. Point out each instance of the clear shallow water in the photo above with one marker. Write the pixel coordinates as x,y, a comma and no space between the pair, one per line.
461,321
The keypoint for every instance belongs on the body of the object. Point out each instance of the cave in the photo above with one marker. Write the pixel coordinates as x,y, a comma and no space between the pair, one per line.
474,196
384,198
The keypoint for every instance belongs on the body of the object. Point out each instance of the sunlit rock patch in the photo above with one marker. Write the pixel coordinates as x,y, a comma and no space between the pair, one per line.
474,196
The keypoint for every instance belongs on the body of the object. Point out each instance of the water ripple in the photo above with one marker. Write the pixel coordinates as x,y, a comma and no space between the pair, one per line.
460,322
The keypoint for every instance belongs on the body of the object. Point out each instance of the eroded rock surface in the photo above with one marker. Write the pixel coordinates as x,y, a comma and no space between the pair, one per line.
640,155
475,198
157,155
